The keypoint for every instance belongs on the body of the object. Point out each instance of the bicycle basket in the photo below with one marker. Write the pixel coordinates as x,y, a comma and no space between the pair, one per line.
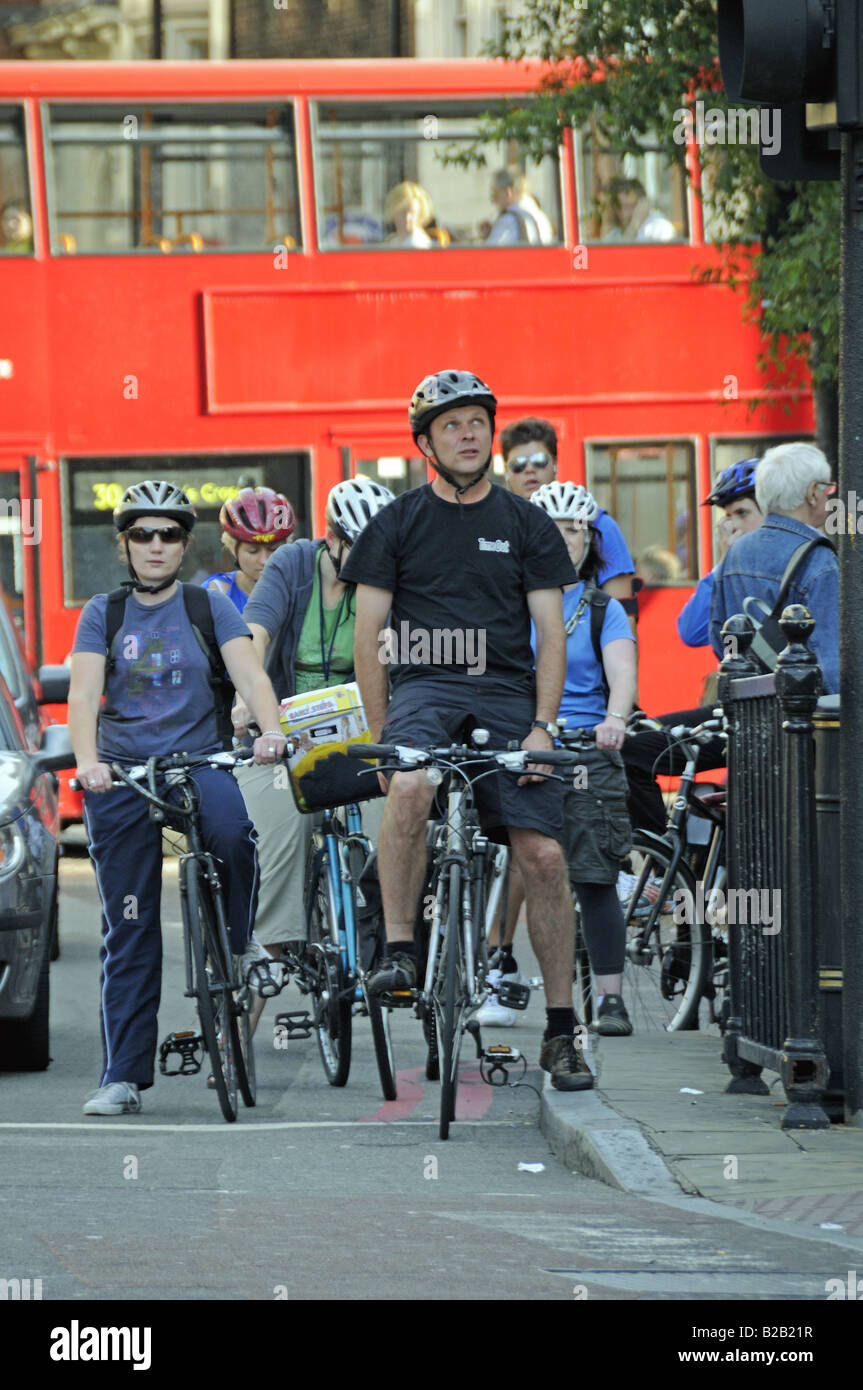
323,723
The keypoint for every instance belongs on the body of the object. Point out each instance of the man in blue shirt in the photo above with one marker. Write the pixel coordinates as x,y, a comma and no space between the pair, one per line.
529,448
792,485
734,491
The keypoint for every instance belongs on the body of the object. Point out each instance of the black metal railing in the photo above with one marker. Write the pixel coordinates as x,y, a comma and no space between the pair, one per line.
773,964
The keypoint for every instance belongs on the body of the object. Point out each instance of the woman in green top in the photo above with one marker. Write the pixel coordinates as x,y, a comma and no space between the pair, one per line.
301,617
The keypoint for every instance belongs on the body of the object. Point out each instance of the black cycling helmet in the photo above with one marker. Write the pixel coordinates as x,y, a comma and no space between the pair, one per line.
738,480
447,390
154,499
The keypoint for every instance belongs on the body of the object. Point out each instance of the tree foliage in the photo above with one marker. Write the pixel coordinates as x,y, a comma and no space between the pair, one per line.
629,68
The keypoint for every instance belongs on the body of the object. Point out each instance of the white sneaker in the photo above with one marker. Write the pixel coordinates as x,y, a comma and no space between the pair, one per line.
493,1012
117,1098
627,884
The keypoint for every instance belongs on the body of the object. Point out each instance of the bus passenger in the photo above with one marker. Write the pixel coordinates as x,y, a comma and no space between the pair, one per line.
158,699
255,524
409,208
520,218
632,218
656,565
16,228
734,491
301,616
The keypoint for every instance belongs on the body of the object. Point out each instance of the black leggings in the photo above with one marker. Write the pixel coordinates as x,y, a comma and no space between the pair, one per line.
641,751
603,926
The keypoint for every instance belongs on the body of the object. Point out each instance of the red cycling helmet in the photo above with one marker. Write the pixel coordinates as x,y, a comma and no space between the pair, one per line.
258,515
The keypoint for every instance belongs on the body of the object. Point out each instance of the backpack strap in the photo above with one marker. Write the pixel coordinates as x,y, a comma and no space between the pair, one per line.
114,613
598,599
795,561
200,615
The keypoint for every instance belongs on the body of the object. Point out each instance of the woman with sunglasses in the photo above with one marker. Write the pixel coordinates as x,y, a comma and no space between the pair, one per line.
158,698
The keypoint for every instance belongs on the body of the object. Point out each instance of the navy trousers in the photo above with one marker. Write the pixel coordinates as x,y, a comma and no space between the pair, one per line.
126,849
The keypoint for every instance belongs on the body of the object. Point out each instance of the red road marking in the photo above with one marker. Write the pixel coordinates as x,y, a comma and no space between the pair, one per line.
410,1093
472,1102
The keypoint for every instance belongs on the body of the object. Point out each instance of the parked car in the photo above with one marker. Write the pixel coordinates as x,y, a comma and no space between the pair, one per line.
31,752
29,855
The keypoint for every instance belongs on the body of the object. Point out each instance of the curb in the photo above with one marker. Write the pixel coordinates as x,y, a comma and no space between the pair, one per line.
592,1139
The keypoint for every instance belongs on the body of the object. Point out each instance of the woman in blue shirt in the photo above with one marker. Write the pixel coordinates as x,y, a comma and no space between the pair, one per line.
255,523
598,695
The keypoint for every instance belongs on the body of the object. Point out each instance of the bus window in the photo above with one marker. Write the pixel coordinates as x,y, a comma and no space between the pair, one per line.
172,179
16,224
92,487
398,474
381,181
629,198
650,490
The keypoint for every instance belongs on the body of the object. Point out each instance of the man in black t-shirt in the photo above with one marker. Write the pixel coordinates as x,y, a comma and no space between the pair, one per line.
449,577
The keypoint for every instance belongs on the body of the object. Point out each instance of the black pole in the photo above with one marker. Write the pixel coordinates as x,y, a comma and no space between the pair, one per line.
395,17
851,614
157,29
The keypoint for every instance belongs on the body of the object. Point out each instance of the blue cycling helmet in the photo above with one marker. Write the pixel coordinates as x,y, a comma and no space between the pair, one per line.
738,480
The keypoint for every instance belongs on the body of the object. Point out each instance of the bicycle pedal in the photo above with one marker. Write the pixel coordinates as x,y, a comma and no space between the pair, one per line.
189,1047
512,995
496,1062
296,1024
397,998
261,980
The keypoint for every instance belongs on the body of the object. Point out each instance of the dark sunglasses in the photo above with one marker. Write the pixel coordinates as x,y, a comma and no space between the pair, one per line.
167,534
519,464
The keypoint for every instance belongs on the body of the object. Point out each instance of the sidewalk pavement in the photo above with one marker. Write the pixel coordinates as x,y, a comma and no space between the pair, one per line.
660,1124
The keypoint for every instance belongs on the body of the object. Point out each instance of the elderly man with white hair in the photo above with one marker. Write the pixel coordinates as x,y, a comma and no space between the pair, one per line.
792,485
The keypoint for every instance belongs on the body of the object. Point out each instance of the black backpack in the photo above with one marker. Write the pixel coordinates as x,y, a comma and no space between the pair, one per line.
200,615
598,600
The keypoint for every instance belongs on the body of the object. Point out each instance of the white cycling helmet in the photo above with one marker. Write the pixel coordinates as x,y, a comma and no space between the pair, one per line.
567,502
352,504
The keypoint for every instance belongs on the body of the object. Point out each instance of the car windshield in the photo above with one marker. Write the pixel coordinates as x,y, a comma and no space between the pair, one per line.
12,735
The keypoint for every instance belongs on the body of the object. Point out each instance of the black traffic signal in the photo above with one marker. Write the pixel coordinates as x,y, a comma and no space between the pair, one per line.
802,57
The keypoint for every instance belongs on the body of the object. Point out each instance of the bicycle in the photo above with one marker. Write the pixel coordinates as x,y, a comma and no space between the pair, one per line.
222,1000
672,960
328,964
468,878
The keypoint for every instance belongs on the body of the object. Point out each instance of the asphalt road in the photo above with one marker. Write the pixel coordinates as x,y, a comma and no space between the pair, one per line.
328,1194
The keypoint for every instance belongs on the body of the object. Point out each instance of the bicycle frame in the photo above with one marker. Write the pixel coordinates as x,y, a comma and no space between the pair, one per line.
336,849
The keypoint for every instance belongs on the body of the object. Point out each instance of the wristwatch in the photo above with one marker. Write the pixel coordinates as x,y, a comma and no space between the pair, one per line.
553,730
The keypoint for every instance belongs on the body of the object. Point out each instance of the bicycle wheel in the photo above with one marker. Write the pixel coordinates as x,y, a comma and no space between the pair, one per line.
668,952
213,994
379,1016
327,984
585,994
450,1003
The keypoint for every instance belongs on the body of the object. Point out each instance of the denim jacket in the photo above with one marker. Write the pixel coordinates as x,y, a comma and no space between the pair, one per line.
755,564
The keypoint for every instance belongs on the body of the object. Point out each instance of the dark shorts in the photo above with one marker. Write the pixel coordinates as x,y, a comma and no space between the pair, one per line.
433,713
597,833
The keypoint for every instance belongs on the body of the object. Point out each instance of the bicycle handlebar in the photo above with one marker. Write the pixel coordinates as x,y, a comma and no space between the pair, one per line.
174,762
508,759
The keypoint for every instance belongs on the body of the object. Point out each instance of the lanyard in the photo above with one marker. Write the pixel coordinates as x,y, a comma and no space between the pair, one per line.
327,655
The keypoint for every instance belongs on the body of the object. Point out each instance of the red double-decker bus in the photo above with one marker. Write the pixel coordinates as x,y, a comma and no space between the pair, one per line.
205,276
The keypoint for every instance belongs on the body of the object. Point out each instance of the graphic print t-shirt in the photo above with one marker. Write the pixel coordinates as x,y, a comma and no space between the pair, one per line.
460,576
158,697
